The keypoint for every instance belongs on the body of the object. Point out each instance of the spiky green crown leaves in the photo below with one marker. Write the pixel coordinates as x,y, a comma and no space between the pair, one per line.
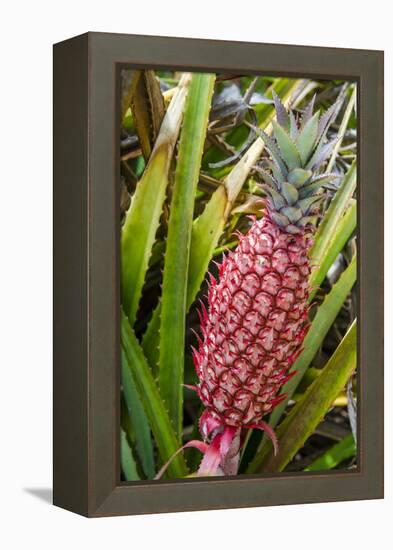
298,150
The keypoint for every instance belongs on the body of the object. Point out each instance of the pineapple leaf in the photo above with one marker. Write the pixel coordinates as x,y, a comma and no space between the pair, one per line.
161,426
306,204
276,171
288,149
206,231
290,193
268,178
293,132
316,184
342,129
293,229
320,326
324,124
309,190
139,422
306,139
308,111
129,80
281,112
277,198
147,106
325,178
299,176
143,217
301,422
280,219
292,213
127,460
343,230
328,227
265,112
273,149
174,287
343,450
308,220
321,154
328,118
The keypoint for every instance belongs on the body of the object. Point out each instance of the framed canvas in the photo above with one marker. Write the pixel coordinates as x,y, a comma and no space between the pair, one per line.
218,274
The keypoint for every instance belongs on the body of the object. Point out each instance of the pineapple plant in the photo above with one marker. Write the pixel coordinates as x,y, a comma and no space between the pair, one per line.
255,339
257,312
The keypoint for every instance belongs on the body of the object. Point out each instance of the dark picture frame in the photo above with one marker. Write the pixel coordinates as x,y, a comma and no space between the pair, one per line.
86,282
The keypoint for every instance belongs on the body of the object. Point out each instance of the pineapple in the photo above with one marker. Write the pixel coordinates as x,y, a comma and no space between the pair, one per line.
257,315
256,318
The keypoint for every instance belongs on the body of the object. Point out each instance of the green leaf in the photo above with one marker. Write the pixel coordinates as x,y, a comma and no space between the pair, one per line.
275,151
327,229
128,464
299,176
156,412
268,178
128,85
344,229
277,198
305,204
292,213
139,422
279,219
316,184
323,150
335,455
142,219
307,112
302,421
306,139
293,131
279,172
206,232
286,89
174,287
290,193
288,149
281,112
324,318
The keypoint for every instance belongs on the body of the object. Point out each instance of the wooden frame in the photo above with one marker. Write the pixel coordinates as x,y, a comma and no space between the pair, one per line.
86,288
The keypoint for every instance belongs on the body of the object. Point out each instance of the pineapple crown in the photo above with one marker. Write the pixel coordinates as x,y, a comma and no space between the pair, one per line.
298,150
